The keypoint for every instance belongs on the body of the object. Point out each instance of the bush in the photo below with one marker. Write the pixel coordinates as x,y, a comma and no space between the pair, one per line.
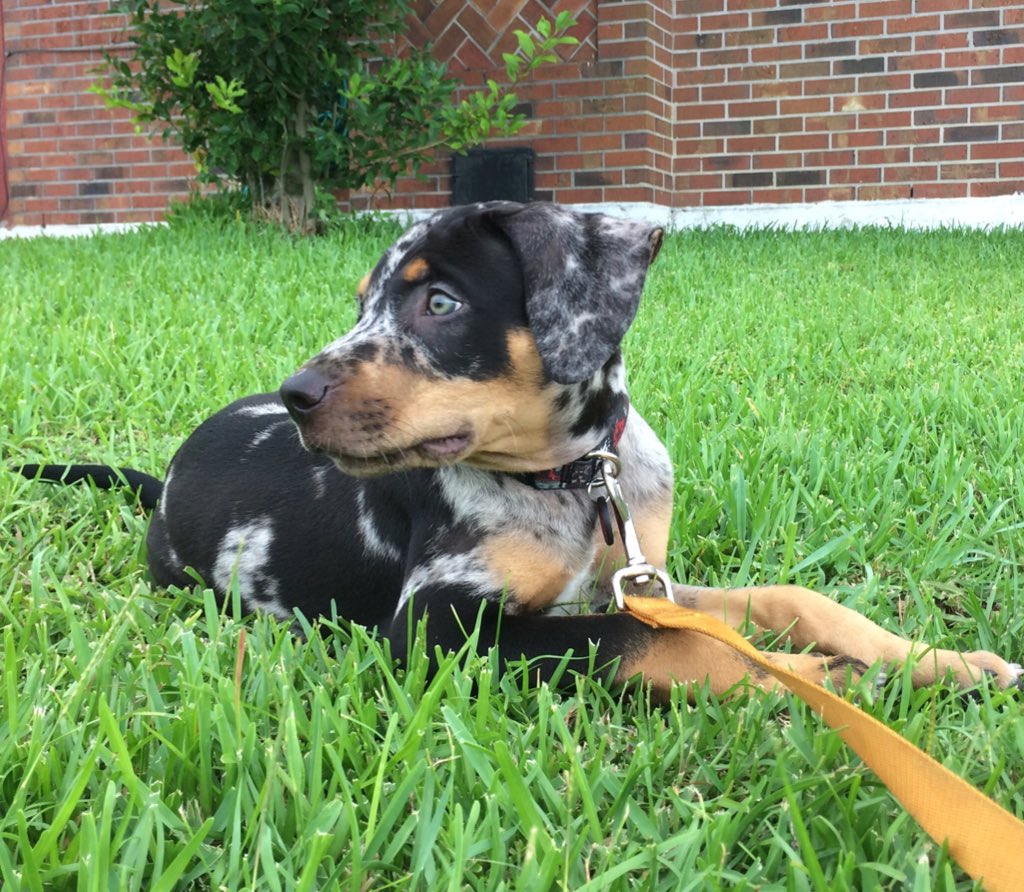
288,98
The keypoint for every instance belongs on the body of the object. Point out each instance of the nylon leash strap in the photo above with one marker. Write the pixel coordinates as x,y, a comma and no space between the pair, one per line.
985,839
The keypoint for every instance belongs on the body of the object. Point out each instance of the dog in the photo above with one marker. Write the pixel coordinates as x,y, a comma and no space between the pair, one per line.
437,463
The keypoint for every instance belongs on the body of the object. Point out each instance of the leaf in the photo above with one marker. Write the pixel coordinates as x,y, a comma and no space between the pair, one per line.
526,44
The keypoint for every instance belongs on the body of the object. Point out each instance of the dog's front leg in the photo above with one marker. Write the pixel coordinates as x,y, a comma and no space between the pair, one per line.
595,644
812,620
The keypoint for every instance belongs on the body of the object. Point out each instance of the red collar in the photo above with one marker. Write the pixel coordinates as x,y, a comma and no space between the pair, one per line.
581,473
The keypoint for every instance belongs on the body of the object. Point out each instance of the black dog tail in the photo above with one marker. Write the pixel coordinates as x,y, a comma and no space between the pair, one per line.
146,487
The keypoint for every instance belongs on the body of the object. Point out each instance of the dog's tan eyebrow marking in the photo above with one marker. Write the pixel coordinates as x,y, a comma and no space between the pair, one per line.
416,270
363,286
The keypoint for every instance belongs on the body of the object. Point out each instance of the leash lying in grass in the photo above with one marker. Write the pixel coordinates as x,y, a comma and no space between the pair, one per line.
983,838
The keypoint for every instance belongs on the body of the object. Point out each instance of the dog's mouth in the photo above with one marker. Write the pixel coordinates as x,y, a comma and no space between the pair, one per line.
429,453
445,449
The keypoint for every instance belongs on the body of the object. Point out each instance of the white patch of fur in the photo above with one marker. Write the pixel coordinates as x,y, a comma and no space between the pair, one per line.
577,598
261,409
373,542
162,508
244,554
320,480
266,433
453,570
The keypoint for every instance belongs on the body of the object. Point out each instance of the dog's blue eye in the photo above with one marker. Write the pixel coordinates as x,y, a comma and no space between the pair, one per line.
441,304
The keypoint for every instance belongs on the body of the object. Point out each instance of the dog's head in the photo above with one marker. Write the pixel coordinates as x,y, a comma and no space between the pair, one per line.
487,335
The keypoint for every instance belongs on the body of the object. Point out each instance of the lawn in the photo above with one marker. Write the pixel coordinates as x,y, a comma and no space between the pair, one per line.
843,410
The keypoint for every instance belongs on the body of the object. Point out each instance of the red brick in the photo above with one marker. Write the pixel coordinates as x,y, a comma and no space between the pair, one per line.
882,193
940,190
911,24
967,171
935,153
858,102
915,99
830,12
793,114
803,33
913,136
945,115
778,196
779,52
918,61
776,89
754,144
945,40
972,96
726,92
882,157
805,106
985,113
983,189
718,199
997,150
883,46
857,27
855,175
779,161
829,86
803,141
858,139
911,174
844,193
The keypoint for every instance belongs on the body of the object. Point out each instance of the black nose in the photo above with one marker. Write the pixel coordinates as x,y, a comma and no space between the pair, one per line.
303,392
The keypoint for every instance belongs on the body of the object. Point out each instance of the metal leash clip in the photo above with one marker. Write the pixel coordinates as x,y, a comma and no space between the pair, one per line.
637,570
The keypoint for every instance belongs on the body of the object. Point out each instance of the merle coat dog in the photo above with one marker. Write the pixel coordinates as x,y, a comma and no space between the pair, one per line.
435,460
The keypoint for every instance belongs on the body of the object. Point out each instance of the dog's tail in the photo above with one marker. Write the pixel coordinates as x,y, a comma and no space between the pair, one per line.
147,488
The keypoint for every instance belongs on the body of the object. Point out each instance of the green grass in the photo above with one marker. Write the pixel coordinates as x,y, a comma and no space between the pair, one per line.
843,411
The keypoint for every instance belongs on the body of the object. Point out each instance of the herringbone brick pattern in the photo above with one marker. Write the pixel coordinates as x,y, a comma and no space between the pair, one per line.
473,34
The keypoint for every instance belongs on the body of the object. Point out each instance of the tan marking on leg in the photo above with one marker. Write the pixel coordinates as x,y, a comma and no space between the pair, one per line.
416,270
813,620
532,571
364,285
690,658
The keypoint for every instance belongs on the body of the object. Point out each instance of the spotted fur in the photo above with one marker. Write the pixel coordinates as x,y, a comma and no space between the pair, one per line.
389,479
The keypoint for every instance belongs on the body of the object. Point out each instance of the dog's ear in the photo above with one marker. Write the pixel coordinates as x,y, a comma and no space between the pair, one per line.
584,274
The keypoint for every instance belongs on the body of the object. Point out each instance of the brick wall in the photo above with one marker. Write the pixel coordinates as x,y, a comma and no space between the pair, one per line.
787,102
750,101
686,103
600,121
68,158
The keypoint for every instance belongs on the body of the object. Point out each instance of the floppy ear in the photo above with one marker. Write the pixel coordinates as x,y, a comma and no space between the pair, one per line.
584,274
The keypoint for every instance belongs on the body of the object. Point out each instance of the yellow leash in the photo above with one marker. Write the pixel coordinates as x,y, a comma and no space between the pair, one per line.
984,839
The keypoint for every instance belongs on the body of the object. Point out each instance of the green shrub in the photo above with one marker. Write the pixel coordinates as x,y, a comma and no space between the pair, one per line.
288,98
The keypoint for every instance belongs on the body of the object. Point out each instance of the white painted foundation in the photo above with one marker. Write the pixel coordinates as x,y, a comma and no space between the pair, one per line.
935,213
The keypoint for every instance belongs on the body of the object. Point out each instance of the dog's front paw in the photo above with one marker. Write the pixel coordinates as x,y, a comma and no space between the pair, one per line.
1005,674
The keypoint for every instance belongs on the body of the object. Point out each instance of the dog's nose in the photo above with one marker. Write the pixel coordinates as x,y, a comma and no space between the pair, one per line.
303,392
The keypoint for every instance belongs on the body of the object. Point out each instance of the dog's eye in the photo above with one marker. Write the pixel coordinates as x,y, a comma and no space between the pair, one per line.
441,304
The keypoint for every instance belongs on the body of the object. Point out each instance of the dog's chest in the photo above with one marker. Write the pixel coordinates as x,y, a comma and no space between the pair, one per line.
536,546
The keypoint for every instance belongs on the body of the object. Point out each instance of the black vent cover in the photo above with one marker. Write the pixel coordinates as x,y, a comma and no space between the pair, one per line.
492,175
